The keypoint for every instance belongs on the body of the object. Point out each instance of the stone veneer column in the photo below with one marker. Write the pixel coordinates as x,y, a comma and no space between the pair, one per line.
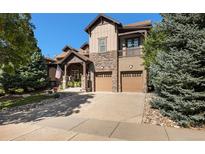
64,77
84,78
92,77
115,73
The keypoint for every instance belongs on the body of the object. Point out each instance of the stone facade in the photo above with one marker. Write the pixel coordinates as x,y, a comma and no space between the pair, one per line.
105,62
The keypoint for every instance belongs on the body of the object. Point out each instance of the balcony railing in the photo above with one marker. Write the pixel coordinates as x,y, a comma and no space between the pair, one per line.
130,52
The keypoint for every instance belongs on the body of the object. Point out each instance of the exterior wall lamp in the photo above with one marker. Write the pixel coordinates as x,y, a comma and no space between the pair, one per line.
130,66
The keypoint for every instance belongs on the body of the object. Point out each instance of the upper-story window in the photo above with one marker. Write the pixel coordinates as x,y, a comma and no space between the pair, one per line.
133,42
102,44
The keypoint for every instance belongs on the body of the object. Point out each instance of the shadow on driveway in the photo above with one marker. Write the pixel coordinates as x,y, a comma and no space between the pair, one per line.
65,106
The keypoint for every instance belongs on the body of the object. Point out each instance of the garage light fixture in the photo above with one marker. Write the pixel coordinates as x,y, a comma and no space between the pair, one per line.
130,66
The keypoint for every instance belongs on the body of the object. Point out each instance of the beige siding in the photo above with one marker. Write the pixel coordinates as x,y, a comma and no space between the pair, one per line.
137,63
125,62
103,30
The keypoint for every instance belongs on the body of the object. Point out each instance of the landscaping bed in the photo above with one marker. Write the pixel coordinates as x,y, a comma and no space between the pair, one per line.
13,101
153,116
27,102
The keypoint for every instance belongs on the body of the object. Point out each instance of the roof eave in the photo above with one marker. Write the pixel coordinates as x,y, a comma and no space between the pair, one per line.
74,51
136,27
84,44
67,46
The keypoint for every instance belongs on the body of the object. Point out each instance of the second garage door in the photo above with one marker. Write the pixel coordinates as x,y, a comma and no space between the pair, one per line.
132,81
103,81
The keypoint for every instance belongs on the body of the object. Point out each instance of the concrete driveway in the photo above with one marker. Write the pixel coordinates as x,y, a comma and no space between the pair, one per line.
88,116
120,107
103,106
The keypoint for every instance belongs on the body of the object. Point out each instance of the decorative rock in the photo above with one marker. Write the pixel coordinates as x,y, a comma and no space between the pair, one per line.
153,116
26,95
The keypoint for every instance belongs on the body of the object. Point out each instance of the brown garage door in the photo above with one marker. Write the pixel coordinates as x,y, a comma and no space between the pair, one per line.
132,81
103,81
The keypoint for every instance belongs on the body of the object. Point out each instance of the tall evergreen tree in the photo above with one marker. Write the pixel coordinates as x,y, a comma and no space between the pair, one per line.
30,77
17,41
34,75
152,45
179,71
20,54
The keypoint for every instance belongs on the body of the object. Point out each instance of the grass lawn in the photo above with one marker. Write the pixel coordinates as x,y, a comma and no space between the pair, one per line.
12,102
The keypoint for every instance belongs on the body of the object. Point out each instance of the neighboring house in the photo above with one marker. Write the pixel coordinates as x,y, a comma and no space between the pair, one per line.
110,61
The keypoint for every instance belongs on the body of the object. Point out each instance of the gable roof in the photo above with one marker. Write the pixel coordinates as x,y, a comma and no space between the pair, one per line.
62,55
101,15
84,45
66,48
82,57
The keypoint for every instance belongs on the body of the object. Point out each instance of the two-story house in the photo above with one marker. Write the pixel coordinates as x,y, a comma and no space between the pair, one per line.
110,61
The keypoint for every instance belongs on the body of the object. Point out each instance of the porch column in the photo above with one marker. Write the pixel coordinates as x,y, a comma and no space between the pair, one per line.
64,77
84,82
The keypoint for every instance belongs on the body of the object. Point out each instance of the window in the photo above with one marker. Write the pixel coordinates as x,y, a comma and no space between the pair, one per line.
133,42
102,45
129,43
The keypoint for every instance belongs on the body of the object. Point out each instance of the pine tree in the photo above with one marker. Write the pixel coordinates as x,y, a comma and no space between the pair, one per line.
152,45
179,72
30,77
34,75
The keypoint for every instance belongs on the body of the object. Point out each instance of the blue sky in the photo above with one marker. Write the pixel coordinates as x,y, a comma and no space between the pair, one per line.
54,31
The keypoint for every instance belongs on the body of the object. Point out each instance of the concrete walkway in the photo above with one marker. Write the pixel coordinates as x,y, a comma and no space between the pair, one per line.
92,116
80,129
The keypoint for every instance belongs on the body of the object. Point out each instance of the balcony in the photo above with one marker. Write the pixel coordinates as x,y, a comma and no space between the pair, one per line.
130,52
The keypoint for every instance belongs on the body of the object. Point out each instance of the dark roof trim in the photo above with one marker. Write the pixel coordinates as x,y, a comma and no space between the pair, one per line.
138,27
99,16
47,58
139,24
66,48
84,44
75,52
132,32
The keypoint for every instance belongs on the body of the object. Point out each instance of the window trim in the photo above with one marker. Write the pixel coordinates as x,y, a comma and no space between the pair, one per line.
105,38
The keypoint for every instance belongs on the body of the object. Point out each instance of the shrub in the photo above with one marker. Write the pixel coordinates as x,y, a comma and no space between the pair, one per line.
178,75
56,95
77,83
70,84
19,91
2,91
61,86
16,90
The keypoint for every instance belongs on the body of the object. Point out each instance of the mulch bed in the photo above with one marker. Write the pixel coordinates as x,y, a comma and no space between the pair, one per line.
153,116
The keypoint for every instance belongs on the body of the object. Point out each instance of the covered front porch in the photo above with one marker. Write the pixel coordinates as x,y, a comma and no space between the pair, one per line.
76,72
76,75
